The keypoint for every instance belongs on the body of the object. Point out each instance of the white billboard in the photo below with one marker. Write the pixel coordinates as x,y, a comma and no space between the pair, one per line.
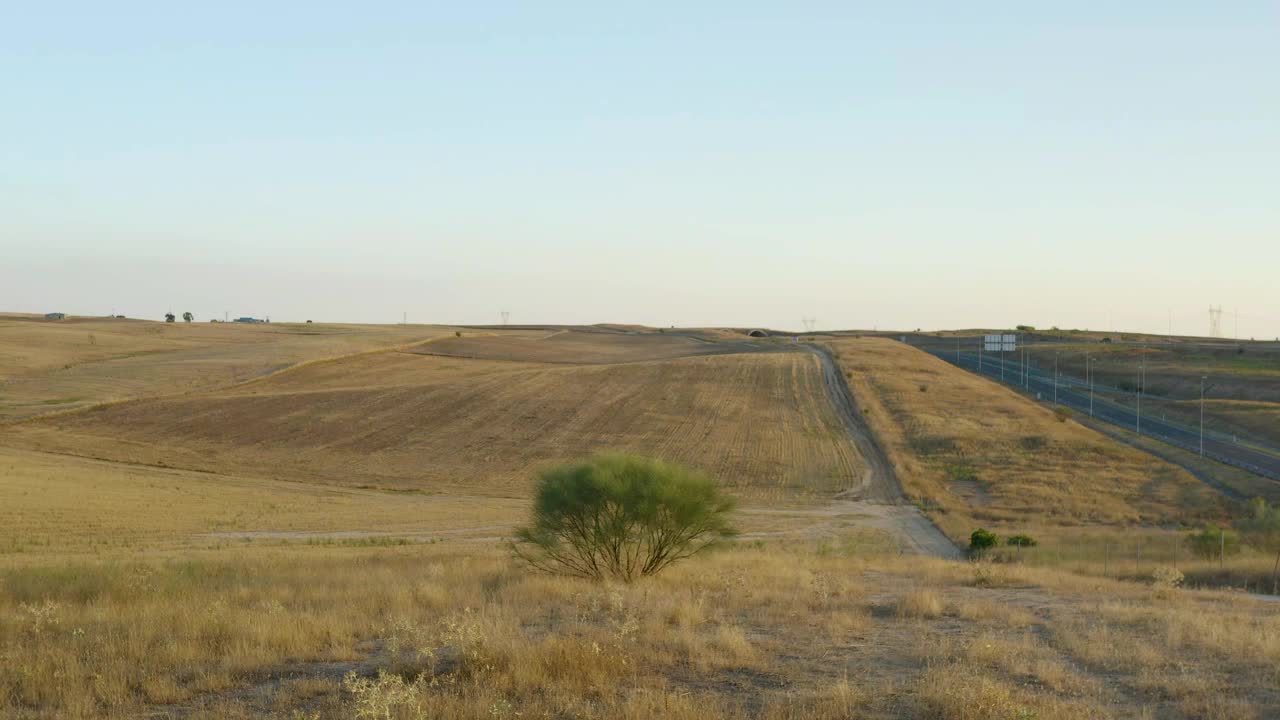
1000,343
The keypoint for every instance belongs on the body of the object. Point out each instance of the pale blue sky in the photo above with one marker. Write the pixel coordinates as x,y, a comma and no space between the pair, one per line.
892,165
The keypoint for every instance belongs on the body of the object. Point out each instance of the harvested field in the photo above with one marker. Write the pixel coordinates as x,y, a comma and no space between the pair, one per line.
580,346
761,423
48,367
972,452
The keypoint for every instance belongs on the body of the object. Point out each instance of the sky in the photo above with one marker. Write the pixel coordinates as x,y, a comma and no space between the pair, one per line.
871,165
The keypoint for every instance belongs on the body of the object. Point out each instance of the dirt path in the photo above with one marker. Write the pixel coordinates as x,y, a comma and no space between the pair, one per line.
878,497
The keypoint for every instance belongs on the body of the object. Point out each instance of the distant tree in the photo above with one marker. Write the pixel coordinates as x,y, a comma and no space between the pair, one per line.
168,317
982,539
1025,328
621,516
188,317
1211,540
1261,529
1021,541
308,322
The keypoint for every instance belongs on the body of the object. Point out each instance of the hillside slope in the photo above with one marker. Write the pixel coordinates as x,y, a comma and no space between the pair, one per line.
972,452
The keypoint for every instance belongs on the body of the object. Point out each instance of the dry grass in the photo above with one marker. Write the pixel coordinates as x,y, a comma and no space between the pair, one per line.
439,631
971,452
58,506
759,422
923,603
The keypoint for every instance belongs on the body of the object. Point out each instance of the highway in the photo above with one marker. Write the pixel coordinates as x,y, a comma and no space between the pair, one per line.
1074,393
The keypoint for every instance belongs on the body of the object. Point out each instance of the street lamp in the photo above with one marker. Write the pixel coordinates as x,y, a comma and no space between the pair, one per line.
1202,379
1088,371
1141,375
1055,378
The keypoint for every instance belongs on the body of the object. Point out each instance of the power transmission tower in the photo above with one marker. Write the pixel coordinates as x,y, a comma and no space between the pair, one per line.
809,323
1215,321
505,314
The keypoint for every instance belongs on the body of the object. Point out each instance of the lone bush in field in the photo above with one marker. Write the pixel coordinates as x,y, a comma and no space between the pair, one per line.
1212,540
982,539
1021,541
621,516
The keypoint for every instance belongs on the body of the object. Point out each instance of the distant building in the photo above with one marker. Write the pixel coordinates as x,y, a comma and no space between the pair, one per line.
246,320
55,316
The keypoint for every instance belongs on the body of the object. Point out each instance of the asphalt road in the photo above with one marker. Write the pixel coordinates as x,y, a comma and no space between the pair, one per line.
1077,398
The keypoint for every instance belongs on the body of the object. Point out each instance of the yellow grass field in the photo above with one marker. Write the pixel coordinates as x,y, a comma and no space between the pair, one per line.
787,632
974,453
56,506
758,422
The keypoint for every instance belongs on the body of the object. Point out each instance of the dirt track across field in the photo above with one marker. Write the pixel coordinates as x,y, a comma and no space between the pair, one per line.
878,498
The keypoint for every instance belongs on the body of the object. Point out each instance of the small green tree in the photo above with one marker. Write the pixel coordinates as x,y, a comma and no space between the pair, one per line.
982,539
1212,541
1021,541
1261,529
621,516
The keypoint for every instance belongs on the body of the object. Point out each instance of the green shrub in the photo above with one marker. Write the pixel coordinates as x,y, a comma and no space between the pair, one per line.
621,516
1063,413
962,473
1212,541
983,540
1021,541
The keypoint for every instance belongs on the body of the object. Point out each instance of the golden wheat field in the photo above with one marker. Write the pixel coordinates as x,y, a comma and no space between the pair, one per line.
759,422
315,532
